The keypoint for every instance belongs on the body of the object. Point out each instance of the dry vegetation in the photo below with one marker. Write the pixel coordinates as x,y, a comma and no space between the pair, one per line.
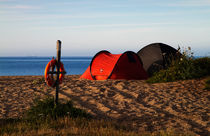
182,105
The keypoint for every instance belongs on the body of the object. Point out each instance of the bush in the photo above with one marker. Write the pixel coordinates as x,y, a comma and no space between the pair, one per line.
202,66
46,109
207,85
183,68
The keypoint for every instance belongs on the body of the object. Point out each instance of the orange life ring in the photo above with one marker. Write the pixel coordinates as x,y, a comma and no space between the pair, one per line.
49,76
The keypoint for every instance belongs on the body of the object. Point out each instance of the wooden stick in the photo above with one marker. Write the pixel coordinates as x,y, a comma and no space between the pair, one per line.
58,70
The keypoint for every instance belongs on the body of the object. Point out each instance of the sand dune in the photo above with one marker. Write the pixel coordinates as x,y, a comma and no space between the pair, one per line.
182,105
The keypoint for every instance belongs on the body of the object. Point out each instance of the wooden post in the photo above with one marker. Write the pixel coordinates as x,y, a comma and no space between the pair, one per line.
58,70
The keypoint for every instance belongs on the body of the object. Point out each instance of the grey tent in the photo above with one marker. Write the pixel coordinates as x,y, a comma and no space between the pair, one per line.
156,56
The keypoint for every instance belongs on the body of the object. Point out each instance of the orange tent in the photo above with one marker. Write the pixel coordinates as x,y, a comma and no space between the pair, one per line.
105,65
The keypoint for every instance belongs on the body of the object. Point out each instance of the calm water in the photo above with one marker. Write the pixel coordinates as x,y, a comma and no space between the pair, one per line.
11,66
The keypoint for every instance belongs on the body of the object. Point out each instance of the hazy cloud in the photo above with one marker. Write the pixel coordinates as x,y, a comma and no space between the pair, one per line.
24,7
189,3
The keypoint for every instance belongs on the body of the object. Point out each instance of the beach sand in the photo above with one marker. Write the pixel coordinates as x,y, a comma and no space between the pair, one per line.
180,106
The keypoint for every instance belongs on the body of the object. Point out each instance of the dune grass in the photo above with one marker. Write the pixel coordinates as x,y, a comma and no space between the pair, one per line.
63,126
76,126
44,118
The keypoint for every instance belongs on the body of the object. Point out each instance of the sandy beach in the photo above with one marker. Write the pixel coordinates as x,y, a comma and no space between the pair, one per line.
181,106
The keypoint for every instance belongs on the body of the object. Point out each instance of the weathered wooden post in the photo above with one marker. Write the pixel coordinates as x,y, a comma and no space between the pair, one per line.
54,81
58,57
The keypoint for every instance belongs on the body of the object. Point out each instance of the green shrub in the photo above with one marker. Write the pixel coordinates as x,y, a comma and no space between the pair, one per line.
207,85
202,66
46,109
183,68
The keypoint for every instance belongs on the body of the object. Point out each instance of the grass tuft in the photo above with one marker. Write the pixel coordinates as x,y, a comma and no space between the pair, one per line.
38,81
46,109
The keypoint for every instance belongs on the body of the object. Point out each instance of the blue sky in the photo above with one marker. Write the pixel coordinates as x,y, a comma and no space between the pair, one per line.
32,27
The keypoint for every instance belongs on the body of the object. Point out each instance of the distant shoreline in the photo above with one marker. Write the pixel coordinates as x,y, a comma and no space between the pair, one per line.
18,66
65,56
45,56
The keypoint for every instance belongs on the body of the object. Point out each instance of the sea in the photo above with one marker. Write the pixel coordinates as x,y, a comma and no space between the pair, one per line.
22,66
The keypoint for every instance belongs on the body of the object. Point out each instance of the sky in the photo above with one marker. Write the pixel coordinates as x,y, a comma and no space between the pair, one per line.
32,27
